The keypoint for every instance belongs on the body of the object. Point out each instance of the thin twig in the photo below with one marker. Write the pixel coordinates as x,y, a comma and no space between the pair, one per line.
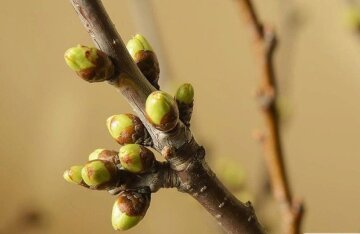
265,43
185,155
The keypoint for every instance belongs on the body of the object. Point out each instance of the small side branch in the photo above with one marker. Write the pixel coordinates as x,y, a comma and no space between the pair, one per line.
264,40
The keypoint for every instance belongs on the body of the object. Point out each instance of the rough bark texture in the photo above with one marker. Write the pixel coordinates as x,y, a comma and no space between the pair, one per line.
186,168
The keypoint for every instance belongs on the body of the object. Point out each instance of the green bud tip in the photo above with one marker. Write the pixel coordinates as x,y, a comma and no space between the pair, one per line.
121,127
136,44
81,57
73,175
136,158
95,173
104,154
95,154
185,94
128,210
161,110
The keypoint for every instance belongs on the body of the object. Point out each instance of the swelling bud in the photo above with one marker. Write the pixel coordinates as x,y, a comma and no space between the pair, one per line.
145,58
185,94
136,158
104,154
99,174
73,175
129,209
162,111
126,129
89,63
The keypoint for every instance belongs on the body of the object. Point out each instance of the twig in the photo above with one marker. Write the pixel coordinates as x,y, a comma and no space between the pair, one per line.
265,42
185,156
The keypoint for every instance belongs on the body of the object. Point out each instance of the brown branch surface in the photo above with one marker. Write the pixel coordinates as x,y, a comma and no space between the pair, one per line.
185,156
264,43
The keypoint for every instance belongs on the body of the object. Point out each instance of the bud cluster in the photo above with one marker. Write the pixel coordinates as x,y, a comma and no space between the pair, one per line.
108,169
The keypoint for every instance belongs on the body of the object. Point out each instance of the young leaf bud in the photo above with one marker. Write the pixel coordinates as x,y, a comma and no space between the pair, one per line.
103,154
127,129
73,175
145,58
89,63
162,111
137,44
136,158
99,174
129,209
185,100
185,94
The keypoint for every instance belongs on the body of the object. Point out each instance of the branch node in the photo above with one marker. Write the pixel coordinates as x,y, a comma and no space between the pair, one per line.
266,97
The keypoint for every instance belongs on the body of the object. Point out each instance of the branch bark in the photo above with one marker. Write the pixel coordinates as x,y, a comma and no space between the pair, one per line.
265,41
184,154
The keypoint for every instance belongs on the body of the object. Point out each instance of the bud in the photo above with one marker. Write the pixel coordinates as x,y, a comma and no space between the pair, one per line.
185,94
136,158
162,111
103,154
99,174
89,63
127,129
73,175
145,58
129,209
185,100
137,44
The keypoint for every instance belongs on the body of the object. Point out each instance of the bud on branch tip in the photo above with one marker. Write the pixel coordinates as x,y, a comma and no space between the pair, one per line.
73,175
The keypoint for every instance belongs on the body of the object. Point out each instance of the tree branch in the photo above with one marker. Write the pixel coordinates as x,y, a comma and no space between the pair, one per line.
185,156
264,40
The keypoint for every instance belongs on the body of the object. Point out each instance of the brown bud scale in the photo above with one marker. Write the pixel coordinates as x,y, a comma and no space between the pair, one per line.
133,203
149,66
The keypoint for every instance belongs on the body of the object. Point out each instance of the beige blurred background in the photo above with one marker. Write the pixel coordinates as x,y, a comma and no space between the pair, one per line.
50,119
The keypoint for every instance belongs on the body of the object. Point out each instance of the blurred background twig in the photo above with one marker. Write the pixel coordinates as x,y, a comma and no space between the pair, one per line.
265,40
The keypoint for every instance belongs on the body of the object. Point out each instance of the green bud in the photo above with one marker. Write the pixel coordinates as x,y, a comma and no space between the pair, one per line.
89,63
136,44
185,94
136,158
103,154
162,111
129,209
99,173
145,58
126,129
81,57
73,175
